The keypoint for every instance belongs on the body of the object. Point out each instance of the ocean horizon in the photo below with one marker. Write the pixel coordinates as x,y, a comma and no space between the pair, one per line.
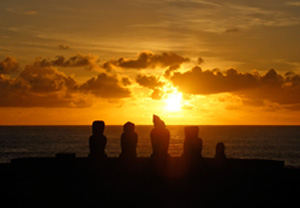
274,142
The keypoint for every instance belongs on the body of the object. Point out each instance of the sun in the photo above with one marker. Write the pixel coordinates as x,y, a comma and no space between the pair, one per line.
174,101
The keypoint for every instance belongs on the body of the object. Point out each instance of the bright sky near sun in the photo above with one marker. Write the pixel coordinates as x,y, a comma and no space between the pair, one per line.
199,62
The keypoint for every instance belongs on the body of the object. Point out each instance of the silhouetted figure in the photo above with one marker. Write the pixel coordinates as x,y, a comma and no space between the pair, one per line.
192,147
97,141
129,141
220,151
160,138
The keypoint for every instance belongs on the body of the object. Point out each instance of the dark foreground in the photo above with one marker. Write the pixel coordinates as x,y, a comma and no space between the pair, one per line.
79,182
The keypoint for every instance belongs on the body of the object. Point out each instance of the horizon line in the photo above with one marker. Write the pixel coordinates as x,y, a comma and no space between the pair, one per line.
151,125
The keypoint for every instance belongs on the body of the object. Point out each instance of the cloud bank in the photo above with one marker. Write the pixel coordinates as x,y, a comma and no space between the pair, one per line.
39,87
105,86
42,84
283,90
79,60
147,60
150,81
8,65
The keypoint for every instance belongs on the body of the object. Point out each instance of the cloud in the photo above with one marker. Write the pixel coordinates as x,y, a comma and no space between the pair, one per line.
46,79
150,82
146,60
153,83
63,47
197,81
253,88
105,86
41,84
232,30
45,86
39,87
126,81
79,60
157,94
8,65
5,84
171,69
200,60
279,89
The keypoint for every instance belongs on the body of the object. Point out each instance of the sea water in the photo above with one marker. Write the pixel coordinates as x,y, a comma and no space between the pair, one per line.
252,142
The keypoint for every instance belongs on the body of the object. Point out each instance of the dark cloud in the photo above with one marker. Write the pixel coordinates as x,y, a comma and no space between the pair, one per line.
107,66
126,81
45,86
147,60
254,87
197,81
63,47
274,87
46,79
171,69
150,82
105,86
8,65
39,87
5,85
232,30
78,60
200,60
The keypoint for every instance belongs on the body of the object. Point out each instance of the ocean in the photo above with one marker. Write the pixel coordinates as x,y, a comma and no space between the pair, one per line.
251,142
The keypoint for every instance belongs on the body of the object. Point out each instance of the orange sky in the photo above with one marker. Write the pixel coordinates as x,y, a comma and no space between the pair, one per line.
190,62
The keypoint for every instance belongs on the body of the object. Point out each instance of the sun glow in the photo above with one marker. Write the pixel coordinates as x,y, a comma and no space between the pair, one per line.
174,101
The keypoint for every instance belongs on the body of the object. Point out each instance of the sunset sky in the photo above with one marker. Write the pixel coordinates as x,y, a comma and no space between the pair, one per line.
200,62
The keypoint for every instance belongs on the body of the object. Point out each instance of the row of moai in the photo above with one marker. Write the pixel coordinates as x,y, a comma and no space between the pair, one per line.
160,139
